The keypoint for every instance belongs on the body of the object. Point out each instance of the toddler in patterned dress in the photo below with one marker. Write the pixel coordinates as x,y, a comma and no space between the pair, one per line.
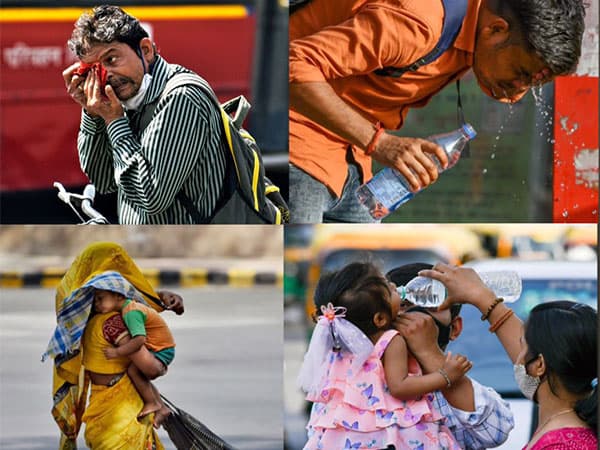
368,391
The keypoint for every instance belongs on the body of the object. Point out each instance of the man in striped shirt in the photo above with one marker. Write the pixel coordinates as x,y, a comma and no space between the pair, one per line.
148,162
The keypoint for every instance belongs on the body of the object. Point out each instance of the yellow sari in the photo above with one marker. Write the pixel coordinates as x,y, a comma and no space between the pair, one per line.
70,386
111,414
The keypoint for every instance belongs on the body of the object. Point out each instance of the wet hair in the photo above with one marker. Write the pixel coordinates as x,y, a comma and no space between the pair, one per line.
105,24
361,289
403,274
565,333
553,29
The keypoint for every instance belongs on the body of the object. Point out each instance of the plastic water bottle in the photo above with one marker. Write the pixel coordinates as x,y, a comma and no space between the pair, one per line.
430,293
387,190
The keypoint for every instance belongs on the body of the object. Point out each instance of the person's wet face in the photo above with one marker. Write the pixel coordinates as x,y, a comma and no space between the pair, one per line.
124,67
506,73
504,64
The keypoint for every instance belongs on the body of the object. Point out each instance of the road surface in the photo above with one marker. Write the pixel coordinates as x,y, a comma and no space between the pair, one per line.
227,372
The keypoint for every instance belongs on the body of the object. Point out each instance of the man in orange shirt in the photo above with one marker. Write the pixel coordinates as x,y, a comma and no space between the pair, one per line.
337,100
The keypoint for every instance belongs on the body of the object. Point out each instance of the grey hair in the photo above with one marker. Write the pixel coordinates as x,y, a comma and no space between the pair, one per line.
553,29
103,25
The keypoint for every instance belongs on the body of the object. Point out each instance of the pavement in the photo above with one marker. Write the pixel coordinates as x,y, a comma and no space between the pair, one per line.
226,373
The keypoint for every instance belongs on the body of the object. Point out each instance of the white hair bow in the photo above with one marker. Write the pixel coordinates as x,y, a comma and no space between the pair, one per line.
332,333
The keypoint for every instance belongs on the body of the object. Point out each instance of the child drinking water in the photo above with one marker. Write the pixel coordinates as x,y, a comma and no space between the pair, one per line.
368,391
151,347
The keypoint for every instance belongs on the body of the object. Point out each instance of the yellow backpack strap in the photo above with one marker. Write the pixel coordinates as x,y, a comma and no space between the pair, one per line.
225,120
187,78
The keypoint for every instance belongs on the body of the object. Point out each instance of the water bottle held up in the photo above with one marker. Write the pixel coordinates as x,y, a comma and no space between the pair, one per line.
387,190
423,291
430,293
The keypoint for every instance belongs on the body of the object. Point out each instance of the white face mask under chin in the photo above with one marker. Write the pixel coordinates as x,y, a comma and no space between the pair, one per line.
135,102
527,384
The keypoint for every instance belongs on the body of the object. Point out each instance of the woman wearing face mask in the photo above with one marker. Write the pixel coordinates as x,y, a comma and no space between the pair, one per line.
555,356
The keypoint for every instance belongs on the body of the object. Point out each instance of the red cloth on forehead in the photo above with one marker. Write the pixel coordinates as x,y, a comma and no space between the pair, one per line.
84,68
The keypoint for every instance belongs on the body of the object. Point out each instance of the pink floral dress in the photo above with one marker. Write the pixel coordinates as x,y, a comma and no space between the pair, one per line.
356,410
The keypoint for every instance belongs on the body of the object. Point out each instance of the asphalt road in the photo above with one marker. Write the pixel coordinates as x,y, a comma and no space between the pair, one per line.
227,372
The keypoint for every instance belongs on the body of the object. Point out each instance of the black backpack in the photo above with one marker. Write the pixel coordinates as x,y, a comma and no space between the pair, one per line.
247,196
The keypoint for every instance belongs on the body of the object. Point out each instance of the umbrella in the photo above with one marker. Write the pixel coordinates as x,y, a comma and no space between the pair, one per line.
188,433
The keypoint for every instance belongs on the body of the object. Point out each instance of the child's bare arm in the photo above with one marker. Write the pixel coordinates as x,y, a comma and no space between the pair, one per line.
126,347
403,387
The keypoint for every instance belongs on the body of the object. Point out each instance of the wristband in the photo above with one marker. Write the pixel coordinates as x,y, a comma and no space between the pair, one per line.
443,373
378,132
491,307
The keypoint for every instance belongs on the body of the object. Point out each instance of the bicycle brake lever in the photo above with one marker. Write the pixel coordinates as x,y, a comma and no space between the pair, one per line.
62,193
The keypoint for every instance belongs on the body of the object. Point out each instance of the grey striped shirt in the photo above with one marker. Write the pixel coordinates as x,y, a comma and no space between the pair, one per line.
179,149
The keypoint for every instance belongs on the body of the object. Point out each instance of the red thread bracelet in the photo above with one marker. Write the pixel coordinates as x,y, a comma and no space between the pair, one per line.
501,321
378,132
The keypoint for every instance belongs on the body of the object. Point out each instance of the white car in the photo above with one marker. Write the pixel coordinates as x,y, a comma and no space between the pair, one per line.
543,281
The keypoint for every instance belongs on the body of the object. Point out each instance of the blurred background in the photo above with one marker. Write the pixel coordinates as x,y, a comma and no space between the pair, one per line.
239,47
534,161
555,262
203,244
229,339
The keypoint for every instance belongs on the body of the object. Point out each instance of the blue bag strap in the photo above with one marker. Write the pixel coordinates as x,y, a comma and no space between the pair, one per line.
454,14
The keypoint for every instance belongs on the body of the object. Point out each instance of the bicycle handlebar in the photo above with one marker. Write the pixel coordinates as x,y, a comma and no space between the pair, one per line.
84,202
90,192
62,193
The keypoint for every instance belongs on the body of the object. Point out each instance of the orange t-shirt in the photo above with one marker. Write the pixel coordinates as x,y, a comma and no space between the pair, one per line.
343,42
150,324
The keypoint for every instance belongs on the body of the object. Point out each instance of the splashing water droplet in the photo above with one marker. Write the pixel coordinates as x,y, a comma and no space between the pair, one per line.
493,156
565,213
575,206
484,171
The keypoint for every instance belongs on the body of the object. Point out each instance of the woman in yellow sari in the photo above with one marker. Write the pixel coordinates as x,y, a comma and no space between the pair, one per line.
111,413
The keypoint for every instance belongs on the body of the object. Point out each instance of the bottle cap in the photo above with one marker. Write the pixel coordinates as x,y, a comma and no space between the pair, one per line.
469,130
402,292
